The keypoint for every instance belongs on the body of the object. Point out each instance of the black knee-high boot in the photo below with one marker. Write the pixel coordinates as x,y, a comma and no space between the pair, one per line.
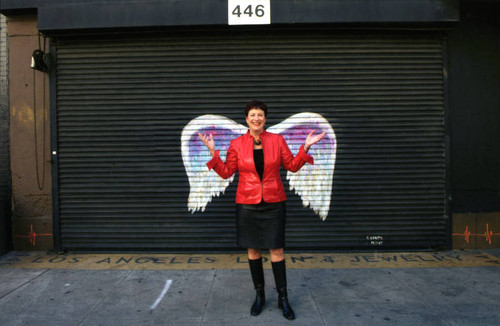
279,271
257,271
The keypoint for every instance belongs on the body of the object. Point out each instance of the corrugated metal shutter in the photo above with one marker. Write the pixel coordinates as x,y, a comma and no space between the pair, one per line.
123,102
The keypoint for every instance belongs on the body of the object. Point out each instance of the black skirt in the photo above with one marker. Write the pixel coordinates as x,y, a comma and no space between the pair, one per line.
261,226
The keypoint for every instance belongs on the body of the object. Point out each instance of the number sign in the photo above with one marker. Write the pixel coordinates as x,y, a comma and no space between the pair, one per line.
249,12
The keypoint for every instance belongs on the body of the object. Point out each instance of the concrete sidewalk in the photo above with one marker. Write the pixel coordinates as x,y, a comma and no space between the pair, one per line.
320,296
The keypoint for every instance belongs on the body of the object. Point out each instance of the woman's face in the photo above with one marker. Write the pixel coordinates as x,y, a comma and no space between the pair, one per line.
256,120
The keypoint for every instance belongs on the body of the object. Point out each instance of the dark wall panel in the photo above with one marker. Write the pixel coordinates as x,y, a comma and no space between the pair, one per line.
122,104
474,47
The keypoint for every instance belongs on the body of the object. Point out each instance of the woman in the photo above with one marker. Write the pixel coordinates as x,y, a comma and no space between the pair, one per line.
260,197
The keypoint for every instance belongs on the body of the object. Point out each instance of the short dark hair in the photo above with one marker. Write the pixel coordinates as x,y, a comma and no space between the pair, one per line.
256,105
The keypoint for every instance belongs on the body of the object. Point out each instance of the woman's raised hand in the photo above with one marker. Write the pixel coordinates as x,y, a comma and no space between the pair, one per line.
208,140
312,139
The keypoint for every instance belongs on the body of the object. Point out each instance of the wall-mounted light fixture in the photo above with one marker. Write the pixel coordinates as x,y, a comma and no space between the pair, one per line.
40,59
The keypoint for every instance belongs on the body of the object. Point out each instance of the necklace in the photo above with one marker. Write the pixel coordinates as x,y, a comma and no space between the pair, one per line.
257,142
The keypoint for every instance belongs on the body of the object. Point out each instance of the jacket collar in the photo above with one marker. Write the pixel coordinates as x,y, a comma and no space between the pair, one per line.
248,135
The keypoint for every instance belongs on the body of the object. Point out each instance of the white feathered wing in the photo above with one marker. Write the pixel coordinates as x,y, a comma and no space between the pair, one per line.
313,183
205,184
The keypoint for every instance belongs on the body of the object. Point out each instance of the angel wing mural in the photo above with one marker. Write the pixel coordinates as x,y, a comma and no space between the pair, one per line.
313,183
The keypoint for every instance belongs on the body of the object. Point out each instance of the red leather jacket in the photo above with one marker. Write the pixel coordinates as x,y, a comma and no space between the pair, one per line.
240,157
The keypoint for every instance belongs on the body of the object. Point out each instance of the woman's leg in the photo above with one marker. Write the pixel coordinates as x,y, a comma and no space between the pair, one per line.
279,271
257,271
277,254
253,253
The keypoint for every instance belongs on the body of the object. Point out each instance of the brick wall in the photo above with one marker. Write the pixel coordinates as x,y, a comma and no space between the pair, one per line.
5,180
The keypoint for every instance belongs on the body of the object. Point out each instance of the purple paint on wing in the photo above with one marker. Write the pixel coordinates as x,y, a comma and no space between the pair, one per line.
297,134
222,138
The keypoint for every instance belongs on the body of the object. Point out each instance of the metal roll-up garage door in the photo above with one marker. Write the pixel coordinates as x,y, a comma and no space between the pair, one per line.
122,103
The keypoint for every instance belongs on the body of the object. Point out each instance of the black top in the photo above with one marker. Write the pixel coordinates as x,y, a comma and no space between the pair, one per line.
258,157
